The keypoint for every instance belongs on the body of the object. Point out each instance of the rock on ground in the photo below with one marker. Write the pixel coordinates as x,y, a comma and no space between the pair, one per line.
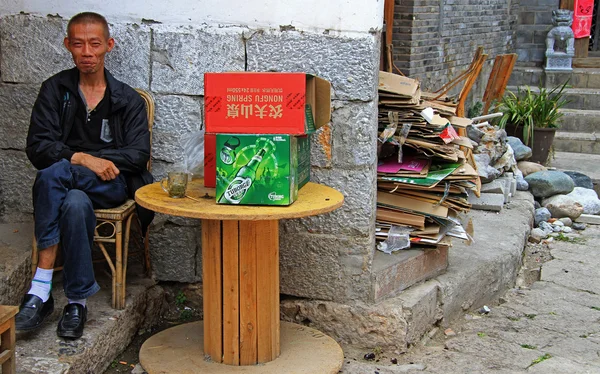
548,183
541,214
580,179
563,206
528,167
522,152
587,198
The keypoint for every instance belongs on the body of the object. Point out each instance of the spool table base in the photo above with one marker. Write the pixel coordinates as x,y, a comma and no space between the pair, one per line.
179,350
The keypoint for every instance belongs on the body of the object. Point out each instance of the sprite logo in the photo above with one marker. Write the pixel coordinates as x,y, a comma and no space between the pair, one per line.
274,197
237,189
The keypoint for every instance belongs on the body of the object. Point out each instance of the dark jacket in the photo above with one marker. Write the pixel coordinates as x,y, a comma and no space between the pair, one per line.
53,116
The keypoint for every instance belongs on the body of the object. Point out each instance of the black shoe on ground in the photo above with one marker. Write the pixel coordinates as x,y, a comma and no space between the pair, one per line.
72,321
32,312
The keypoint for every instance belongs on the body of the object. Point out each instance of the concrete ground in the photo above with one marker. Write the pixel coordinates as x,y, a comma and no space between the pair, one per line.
547,326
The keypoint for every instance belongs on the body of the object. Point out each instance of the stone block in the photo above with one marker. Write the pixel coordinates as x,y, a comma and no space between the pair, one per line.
129,61
523,55
354,127
557,78
176,117
326,267
400,270
350,64
16,102
493,202
355,217
16,179
365,326
496,187
15,269
181,56
589,219
175,251
321,147
160,168
421,309
543,18
591,100
32,48
508,190
593,80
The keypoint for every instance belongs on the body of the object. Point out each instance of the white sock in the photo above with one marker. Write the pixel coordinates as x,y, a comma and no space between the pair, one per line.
78,301
41,285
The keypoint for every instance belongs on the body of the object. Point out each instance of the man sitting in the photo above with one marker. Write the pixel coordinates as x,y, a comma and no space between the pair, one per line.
89,139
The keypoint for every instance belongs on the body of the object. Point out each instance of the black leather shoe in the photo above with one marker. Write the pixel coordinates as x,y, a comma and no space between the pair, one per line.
32,312
72,321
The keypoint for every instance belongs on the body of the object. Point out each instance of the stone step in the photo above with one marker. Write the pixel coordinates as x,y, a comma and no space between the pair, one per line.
579,120
525,75
400,270
578,78
15,267
533,76
576,142
577,98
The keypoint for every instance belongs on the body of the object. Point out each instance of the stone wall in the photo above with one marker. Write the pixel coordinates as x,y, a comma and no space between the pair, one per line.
435,40
325,257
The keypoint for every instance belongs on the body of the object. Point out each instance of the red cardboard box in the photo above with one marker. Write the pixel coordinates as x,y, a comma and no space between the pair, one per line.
265,103
210,160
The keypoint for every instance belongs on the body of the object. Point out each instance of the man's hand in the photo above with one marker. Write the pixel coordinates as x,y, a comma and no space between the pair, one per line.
104,169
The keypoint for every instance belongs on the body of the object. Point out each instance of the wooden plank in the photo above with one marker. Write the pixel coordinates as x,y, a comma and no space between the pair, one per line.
267,299
275,265
248,251
589,62
212,292
231,293
7,312
567,4
7,344
581,47
464,93
501,71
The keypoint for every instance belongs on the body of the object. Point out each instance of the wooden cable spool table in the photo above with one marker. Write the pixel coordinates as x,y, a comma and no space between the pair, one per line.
240,270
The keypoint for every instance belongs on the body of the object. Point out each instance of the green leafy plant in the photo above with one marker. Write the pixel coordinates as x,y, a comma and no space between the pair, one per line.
528,109
180,299
528,346
540,359
186,314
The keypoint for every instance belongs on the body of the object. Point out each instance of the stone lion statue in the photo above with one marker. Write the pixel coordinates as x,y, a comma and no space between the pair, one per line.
562,20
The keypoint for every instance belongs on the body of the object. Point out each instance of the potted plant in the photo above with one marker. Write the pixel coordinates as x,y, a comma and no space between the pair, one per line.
533,117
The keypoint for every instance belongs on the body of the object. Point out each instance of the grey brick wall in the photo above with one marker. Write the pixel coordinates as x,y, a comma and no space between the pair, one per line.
534,22
435,40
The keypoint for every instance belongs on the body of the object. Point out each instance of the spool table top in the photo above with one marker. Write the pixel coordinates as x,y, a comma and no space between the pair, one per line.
313,199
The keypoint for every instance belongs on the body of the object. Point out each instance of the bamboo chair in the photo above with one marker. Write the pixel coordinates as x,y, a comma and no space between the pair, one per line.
114,226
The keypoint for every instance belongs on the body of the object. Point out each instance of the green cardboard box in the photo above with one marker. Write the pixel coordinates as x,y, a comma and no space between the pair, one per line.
261,169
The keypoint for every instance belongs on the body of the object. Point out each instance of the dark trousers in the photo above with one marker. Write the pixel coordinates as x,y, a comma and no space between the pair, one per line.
64,199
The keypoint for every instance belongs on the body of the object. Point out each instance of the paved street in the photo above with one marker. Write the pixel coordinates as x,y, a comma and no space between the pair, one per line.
547,326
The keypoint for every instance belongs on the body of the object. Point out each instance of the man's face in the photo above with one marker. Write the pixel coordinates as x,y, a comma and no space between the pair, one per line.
88,46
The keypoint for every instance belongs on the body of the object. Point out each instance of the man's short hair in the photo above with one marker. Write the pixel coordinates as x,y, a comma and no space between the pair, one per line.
89,17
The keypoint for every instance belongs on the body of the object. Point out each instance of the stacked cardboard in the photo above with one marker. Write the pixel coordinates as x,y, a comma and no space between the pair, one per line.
423,174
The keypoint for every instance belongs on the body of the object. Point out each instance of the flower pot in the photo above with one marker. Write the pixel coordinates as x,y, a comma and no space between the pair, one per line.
542,142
